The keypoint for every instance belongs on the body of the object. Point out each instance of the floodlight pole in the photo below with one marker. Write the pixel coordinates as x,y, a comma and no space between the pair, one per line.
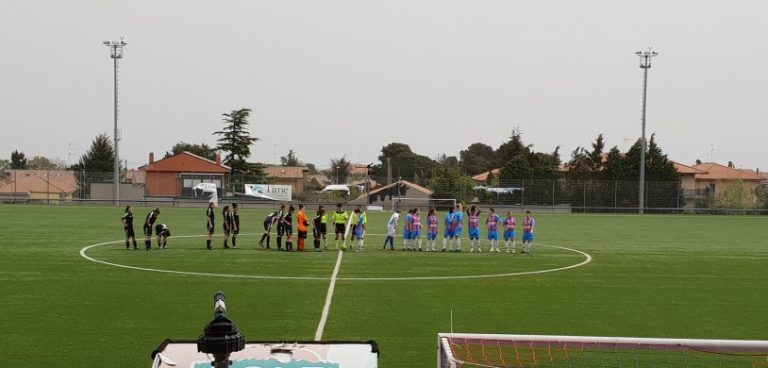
645,64
116,52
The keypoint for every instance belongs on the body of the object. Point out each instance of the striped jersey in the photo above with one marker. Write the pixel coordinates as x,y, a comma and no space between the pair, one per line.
493,222
432,223
416,222
510,223
474,220
528,224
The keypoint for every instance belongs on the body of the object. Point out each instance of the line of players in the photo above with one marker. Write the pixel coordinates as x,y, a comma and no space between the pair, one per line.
453,230
412,230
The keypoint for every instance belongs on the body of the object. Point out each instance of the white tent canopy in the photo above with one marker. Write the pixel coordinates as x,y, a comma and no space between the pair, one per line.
336,187
509,190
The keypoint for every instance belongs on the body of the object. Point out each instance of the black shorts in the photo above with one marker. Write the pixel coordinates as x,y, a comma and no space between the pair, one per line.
129,233
339,228
353,230
281,229
323,229
286,230
210,228
302,234
147,230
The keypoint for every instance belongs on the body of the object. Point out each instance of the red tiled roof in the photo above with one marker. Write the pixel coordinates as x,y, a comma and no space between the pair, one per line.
714,171
484,175
685,169
285,172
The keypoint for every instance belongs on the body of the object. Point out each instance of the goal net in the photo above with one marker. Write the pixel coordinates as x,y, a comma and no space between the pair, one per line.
491,351
404,203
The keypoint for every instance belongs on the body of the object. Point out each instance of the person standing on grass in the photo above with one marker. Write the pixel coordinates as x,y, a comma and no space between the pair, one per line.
148,222
317,227
287,223
127,221
361,220
281,226
226,215
391,230
448,231
269,223
323,226
302,220
473,214
458,225
510,223
492,223
407,223
432,223
235,226
528,225
163,233
339,223
210,223
416,227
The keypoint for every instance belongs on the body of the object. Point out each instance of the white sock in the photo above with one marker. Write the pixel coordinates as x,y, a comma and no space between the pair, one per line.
445,242
419,243
458,244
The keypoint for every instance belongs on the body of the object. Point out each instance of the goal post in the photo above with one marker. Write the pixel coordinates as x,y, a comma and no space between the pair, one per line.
491,351
441,204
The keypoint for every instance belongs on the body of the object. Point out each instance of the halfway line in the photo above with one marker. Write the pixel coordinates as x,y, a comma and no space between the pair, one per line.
328,298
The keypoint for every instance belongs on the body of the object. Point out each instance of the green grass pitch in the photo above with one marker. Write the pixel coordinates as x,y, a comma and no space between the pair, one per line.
651,276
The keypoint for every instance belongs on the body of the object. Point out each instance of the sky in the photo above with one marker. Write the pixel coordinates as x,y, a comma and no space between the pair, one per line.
333,78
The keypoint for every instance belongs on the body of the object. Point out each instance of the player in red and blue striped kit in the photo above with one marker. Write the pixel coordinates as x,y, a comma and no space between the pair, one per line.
528,225
432,223
473,213
510,223
416,228
493,230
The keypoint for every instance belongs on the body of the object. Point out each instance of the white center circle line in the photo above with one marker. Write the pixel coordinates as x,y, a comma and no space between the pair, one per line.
84,254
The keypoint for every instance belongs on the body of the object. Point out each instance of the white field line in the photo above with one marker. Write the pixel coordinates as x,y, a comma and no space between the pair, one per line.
84,250
328,299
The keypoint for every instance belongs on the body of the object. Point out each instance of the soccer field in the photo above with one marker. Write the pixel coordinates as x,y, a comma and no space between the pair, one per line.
649,276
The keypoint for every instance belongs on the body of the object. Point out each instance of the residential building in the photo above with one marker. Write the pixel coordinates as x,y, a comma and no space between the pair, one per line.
176,176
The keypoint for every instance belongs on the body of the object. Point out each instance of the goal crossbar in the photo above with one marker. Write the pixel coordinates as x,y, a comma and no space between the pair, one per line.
499,350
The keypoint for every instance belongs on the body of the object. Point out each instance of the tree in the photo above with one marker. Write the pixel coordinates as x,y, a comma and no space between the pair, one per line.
477,158
405,163
290,159
735,195
96,165
236,140
4,165
18,160
202,150
450,182
339,170
44,163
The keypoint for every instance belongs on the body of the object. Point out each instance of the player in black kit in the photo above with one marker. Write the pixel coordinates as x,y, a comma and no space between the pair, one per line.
151,218
235,226
130,235
210,224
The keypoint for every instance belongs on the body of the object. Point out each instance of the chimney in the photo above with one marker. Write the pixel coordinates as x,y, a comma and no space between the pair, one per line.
151,157
218,158
730,164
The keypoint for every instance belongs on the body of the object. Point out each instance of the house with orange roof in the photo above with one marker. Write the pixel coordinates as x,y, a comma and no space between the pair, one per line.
176,176
50,186
295,176
716,178
486,177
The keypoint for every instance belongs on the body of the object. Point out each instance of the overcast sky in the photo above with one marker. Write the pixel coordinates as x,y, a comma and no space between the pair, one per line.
329,78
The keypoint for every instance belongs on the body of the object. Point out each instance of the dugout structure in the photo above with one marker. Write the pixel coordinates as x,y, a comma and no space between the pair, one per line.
490,351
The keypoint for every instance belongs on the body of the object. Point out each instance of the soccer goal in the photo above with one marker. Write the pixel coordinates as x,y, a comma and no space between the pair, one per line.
491,351
404,203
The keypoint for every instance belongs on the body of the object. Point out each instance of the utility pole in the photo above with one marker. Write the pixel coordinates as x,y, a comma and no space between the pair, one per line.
645,64
116,53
